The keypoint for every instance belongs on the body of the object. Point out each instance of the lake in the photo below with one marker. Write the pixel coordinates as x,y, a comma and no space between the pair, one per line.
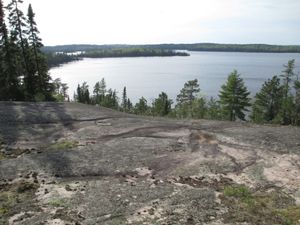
149,76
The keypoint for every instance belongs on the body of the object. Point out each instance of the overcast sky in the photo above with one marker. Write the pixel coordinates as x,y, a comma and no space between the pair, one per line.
167,21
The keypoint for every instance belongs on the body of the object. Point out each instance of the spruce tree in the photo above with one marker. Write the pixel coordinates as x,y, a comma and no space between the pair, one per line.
297,103
213,109
9,64
162,105
268,101
99,92
20,44
141,107
234,98
83,94
124,100
287,106
38,65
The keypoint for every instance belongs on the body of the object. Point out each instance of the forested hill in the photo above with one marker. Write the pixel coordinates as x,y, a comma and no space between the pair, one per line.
190,47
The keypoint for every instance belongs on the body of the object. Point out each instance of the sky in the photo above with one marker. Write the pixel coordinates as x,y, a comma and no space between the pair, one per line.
167,21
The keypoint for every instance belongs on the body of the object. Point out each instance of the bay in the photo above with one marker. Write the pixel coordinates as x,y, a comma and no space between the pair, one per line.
149,76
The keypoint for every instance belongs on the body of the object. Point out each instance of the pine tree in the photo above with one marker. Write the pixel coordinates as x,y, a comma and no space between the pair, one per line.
213,109
83,94
162,105
188,92
199,108
141,107
9,74
20,44
267,101
99,92
287,106
234,97
111,100
297,103
124,100
185,99
38,65
129,106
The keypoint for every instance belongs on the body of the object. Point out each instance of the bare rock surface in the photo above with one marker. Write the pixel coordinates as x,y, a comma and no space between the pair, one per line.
67,163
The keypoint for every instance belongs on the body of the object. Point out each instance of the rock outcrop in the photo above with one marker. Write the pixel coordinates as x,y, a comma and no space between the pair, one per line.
67,163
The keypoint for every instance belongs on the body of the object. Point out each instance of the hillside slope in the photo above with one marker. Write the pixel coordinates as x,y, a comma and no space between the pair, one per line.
67,163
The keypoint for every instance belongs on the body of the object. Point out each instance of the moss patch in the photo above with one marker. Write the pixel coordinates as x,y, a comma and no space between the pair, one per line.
15,198
259,207
58,202
2,156
63,145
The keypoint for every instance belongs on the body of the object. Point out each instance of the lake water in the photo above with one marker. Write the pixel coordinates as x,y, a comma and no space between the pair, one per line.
149,76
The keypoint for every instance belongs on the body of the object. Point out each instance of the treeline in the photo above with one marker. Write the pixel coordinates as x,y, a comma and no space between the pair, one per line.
57,59
277,102
212,47
190,47
130,52
23,66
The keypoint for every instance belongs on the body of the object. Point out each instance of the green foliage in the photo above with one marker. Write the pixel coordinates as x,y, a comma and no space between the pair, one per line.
63,145
99,92
15,198
188,93
58,202
83,94
190,47
234,98
60,90
58,58
241,192
187,103
161,105
130,52
214,111
141,108
102,96
246,206
287,107
268,101
124,104
23,67
297,102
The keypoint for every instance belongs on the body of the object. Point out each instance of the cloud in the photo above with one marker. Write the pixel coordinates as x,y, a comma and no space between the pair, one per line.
157,21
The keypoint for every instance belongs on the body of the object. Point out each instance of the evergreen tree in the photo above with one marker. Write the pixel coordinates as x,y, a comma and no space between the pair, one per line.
141,107
102,87
20,43
9,71
60,90
83,94
162,105
287,107
111,100
96,98
267,101
124,100
213,109
99,92
297,103
38,68
185,99
188,92
234,97
199,108
129,106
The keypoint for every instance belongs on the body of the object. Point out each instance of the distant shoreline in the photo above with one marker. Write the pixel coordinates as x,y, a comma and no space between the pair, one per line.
209,47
